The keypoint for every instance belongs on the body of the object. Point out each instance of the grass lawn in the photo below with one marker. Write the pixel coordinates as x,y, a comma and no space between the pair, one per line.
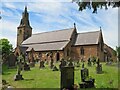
46,78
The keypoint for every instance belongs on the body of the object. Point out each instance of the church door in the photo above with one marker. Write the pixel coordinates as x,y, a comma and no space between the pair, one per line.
57,56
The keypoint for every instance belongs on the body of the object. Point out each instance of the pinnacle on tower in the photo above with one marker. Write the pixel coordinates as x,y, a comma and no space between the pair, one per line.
74,25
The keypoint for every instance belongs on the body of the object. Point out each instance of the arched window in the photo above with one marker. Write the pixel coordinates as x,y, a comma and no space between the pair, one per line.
82,51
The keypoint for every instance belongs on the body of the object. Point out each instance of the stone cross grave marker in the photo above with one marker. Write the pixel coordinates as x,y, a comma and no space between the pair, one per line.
18,76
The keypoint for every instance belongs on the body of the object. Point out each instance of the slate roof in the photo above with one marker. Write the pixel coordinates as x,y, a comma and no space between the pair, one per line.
47,46
52,36
87,38
53,40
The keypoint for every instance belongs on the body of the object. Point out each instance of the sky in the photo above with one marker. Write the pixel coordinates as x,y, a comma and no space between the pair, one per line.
53,15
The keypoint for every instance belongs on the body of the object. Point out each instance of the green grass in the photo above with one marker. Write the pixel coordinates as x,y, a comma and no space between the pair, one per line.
46,78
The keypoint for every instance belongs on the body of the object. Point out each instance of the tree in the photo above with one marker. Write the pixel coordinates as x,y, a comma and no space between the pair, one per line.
5,48
95,4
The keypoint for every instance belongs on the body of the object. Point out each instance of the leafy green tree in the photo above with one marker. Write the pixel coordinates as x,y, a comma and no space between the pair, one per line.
5,48
95,4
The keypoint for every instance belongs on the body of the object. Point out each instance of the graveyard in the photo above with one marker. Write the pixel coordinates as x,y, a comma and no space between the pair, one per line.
47,78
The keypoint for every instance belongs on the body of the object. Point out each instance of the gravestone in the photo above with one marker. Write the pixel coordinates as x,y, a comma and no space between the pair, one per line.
32,62
84,74
89,62
93,60
42,64
86,81
83,65
70,63
51,63
67,78
11,60
78,63
18,76
26,67
62,64
99,67
55,68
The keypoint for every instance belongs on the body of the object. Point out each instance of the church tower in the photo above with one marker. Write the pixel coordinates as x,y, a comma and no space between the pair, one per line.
24,30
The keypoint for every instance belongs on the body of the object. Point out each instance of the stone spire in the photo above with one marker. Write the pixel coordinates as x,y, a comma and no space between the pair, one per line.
25,18
24,30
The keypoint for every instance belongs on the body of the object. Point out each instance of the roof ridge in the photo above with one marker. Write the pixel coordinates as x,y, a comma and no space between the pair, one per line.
53,31
88,32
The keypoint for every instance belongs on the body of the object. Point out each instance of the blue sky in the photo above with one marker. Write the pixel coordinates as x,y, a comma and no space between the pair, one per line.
52,15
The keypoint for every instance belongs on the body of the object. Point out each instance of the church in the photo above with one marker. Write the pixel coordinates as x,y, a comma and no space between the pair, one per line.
66,43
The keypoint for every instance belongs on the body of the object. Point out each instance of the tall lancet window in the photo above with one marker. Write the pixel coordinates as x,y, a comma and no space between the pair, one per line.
82,51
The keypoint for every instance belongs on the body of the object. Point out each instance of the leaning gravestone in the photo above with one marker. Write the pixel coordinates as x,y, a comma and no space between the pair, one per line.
99,67
86,81
67,78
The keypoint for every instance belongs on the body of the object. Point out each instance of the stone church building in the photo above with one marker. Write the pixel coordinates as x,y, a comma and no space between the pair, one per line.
66,43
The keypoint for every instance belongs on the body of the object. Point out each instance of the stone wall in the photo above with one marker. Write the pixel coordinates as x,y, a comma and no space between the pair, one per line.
89,51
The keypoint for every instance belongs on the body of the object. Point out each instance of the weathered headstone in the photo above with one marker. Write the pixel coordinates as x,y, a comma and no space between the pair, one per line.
18,76
32,62
62,64
89,62
93,60
67,78
84,74
70,63
42,64
99,67
83,65
51,63
87,82
78,63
